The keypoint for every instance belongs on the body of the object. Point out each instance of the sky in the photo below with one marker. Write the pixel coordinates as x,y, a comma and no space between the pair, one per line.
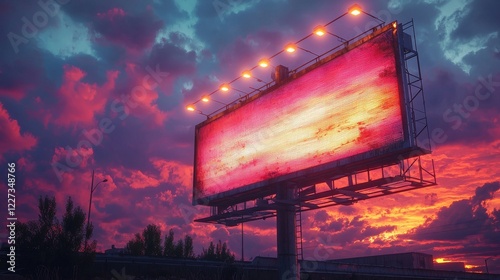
103,86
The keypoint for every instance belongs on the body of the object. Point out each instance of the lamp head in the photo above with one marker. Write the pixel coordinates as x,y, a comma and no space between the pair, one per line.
355,10
319,30
290,48
264,63
246,74
224,87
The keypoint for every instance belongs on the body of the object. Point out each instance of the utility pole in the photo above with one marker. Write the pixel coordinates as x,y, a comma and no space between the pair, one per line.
242,251
92,189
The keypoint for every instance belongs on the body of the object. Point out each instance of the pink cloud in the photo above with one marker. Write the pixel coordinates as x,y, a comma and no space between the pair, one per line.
26,164
135,179
140,97
81,157
79,102
175,173
11,137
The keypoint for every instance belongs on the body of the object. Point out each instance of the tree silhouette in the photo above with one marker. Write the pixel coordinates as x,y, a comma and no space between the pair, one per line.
38,238
168,247
136,246
71,233
188,247
149,244
152,240
218,252
209,254
52,244
146,244
179,249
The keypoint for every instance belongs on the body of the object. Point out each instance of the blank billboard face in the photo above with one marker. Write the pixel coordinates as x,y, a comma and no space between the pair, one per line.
348,106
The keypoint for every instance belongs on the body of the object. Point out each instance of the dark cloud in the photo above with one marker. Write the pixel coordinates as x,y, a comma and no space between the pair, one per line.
486,192
172,58
478,18
15,84
344,231
465,111
462,219
217,28
136,32
484,60
87,12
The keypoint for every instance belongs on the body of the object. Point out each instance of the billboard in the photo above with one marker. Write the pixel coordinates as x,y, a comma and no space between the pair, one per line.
349,108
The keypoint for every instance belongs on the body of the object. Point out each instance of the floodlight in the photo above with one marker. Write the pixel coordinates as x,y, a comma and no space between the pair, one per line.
355,10
290,48
246,74
264,63
205,98
224,87
319,30
190,108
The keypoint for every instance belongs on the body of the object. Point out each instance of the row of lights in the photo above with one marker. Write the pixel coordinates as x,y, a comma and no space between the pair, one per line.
319,31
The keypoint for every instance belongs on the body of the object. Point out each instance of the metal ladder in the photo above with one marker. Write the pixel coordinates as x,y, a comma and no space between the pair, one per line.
298,231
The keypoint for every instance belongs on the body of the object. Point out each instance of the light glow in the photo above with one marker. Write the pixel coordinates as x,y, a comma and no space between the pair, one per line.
355,10
264,63
190,107
319,30
290,48
205,98
353,109
246,74
224,87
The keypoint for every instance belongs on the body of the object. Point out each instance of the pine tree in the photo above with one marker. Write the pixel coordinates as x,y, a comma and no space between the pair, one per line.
188,247
179,249
168,248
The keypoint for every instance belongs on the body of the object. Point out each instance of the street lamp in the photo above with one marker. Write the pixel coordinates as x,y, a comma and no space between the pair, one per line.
293,47
92,189
486,264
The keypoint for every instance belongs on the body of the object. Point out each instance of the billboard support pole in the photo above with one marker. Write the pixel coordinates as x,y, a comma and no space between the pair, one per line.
286,234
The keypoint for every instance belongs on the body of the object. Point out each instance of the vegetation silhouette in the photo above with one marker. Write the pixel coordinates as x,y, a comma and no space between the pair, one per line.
149,244
55,248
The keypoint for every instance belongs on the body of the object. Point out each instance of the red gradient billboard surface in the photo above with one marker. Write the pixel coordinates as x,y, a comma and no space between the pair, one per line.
348,106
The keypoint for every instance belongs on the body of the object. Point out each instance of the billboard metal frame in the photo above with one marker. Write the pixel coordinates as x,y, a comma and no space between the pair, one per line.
408,170
399,168
414,119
